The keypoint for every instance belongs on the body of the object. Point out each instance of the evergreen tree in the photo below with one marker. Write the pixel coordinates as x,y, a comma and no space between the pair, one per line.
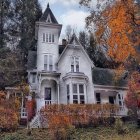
27,12
4,18
99,56
84,39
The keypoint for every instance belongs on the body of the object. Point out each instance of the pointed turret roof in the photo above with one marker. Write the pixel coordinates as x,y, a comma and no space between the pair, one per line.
48,16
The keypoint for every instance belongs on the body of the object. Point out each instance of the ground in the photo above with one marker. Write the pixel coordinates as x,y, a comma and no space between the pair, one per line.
98,133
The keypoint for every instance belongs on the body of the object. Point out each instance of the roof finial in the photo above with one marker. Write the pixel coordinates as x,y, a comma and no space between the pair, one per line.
48,6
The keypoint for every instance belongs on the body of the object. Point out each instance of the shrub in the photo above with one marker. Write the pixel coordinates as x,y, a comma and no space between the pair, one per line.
8,119
119,127
63,117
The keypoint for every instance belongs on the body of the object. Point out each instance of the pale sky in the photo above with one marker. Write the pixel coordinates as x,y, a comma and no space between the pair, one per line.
67,12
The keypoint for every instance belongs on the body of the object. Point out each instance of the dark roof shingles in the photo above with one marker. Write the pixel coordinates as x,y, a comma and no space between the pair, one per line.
106,77
45,15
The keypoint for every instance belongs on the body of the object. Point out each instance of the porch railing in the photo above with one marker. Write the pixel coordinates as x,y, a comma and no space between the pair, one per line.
49,102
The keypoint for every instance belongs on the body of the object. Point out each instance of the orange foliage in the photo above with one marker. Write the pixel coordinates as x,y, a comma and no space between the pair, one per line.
133,98
8,113
63,116
121,25
30,107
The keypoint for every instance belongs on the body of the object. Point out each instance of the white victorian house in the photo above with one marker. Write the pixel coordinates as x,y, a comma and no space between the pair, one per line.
65,74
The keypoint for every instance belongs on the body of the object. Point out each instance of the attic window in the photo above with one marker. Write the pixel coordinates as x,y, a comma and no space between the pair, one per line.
74,64
48,37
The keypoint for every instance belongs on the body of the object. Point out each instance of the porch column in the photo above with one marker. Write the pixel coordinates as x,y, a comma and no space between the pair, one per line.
85,92
71,93
58,94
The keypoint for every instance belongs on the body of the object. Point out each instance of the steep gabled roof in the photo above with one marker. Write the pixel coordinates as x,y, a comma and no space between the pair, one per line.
48,16
75,43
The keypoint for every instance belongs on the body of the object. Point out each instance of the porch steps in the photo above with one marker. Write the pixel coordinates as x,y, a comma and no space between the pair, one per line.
35,122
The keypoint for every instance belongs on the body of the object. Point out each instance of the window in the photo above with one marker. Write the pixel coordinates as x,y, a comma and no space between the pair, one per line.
74,64
120,99
43,37
78,94
48,38
77,64
68,89
98,98
68,92
48,62
81,88
33,78
45,62
74,88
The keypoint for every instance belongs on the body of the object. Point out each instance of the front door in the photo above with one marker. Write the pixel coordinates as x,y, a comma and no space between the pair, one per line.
47,94
111,99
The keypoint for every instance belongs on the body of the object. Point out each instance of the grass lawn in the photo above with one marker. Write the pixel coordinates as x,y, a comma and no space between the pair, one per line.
99,133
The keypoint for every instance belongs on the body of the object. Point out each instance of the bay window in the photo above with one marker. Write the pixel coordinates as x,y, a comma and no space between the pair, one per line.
78,93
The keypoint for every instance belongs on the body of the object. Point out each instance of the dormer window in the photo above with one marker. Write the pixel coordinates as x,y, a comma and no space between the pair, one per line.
74,64
48,38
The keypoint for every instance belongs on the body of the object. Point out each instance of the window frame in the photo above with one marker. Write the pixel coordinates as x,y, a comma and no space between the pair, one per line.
75,61
34,78
48,38
47,65
76,96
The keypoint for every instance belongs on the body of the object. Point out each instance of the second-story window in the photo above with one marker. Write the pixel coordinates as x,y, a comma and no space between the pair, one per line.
74,64
48,62
48,38
33,78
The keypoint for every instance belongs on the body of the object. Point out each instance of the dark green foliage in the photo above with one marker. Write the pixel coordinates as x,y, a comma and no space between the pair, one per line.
26,14
5,12
17,37
11,69
84,39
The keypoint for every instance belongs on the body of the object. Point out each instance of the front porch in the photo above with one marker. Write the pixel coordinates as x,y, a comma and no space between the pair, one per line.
48,92
104,96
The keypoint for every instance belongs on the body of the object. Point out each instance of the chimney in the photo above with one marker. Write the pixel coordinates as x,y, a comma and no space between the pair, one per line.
64,42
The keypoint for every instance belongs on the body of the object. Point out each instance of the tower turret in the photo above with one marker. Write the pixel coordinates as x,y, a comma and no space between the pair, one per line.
47,34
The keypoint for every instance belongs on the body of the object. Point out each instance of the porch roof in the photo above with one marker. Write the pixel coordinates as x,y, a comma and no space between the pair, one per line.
105,77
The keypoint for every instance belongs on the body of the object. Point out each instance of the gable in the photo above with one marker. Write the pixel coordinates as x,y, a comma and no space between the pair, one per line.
76,46
48,16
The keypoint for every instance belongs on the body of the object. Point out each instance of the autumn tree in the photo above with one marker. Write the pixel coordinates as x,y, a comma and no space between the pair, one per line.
116,25
133,98
8,113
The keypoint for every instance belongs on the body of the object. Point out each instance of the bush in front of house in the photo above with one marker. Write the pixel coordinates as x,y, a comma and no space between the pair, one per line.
61,118
8,119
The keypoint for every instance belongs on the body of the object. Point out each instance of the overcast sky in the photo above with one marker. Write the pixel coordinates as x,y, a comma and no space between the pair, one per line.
67,12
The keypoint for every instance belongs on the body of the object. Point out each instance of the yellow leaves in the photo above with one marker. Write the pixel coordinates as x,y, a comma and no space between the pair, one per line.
119,20
24,88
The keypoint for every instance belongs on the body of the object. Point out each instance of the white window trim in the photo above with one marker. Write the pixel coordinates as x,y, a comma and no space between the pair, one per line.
48,38
78,93
75,63
48,60
120,100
